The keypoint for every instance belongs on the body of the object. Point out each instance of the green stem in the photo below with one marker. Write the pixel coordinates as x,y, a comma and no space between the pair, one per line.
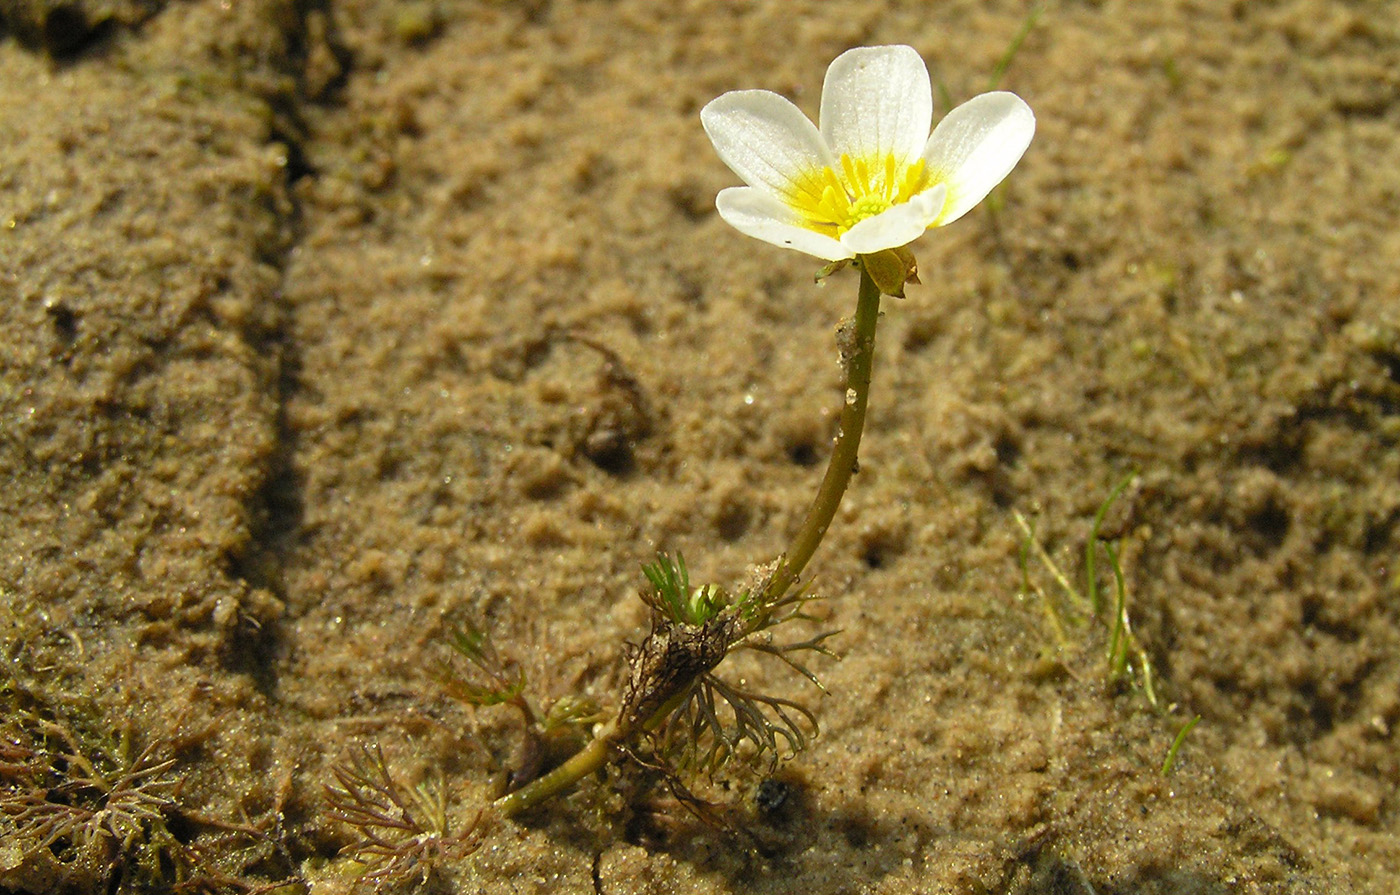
582,763
843,455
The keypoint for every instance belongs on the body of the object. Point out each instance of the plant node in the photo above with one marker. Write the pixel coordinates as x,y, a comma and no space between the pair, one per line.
693,716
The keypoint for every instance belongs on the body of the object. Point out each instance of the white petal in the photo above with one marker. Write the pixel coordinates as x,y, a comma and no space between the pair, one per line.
766,140
754,213
975,147
898,226
875,101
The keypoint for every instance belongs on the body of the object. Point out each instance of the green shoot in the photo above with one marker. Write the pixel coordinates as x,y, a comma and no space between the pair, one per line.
945,96
506,685
1126,657
999,70
996,199
1091,581
1169,764
1029,544
1118,642
570,711
543,725
672,595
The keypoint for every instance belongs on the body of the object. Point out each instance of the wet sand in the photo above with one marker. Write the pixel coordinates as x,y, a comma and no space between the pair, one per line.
329,327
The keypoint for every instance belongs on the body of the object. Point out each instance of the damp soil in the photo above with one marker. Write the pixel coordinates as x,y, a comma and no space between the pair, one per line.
331,327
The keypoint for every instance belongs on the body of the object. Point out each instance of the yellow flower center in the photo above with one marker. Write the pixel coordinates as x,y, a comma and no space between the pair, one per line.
835,201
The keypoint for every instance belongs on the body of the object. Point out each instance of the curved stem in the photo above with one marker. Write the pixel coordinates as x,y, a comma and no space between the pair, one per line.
582,763
859,353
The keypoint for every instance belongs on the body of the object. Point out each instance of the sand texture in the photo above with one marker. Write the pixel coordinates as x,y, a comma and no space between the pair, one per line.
330,326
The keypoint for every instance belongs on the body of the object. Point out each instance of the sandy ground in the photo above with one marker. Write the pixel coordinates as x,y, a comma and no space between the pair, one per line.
329,326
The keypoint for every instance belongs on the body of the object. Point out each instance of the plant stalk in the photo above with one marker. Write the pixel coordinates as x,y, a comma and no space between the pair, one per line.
586,761
582,763
842,465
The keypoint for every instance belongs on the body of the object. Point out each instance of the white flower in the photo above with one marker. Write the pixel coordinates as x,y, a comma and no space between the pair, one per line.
872,178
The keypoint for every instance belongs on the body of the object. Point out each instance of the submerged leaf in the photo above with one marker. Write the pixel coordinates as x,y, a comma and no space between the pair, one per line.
474,644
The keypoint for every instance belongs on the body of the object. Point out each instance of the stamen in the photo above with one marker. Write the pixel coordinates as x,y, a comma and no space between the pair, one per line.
848,167
912,182
833,200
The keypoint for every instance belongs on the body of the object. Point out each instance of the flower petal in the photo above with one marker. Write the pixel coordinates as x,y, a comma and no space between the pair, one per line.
898,226
877,101
975,147
767,141
754,213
